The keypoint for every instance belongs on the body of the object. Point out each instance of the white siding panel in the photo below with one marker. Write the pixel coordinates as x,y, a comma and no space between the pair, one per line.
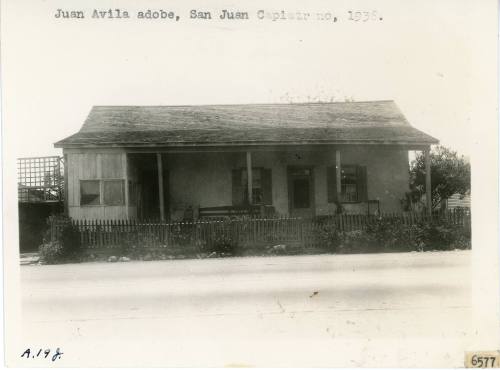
112,166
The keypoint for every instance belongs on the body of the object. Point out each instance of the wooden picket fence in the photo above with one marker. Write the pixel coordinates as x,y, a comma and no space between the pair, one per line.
249,231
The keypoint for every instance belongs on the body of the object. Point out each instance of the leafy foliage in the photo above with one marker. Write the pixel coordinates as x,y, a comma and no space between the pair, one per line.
450,174
70,241
330,237
224,244
391,235
51,252
66,247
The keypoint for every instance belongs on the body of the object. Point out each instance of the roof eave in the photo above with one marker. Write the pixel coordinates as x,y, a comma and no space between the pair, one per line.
63,144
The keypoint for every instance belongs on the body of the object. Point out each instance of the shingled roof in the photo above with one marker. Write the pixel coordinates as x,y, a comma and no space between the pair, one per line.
251,124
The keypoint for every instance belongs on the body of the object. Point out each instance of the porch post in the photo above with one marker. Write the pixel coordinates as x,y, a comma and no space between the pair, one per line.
338,175
125,176
65,185
249,177
428,190
160,185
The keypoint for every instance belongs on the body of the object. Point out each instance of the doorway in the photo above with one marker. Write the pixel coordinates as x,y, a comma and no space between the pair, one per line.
301,191
145,185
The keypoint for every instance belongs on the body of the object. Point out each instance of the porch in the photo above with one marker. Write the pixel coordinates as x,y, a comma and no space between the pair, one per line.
186,185
292,182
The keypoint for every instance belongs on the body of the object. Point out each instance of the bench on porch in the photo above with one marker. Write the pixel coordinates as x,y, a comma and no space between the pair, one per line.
229,211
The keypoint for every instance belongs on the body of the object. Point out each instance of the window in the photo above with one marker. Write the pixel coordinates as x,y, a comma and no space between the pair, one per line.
90,192
261,186
114,192
349,184
256,186
353,184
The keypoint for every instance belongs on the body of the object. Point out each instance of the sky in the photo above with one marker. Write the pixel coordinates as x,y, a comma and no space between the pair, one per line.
421,55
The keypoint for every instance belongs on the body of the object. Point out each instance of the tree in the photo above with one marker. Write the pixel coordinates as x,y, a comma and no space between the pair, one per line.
450,174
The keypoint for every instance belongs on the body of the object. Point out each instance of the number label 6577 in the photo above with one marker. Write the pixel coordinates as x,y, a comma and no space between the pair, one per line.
482,359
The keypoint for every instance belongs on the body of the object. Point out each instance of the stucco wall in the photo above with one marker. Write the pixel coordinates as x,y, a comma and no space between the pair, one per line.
204,180
387,175
199,180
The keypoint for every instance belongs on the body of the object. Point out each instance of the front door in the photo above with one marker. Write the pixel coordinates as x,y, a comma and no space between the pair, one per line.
301,191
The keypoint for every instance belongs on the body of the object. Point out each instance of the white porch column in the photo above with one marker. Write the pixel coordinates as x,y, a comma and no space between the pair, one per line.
249,177
160,186
428,190
338,175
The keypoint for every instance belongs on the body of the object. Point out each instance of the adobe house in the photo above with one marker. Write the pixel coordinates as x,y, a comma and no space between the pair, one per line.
166,162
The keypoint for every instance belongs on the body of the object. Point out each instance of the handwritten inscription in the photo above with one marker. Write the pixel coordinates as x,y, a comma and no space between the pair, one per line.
223,15
42,353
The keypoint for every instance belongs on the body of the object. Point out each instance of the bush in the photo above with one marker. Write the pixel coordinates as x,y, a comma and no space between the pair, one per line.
181,234
357,241
70,240
224,244
391,235
330,237
442,235
51,252
66,247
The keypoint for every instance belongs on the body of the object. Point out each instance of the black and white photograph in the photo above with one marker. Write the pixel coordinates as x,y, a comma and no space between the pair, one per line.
250,184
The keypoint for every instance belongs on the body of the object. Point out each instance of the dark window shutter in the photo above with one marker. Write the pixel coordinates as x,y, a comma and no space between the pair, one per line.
362,184
267,186
237,188
331,184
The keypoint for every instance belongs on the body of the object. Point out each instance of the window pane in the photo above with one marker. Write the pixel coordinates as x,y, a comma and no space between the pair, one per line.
349,184
89,192
256,177
114,193
256,185
257,196
349,192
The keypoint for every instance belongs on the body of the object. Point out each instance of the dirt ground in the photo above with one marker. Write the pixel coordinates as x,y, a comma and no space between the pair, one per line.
401,309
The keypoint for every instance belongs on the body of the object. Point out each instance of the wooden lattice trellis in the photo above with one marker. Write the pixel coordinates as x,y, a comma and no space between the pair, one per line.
40,179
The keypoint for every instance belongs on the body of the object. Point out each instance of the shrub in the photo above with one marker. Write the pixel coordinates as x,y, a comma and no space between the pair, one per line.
392,235
66,247
181,234
442,235
357,241
70,241
128,247
51,252
330,237
224,244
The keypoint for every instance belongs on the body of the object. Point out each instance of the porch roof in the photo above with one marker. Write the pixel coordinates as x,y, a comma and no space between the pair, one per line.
251,124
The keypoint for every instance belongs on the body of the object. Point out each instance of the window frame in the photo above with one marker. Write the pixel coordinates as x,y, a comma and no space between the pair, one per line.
122,183
80,193
101,193
356,184
245,189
